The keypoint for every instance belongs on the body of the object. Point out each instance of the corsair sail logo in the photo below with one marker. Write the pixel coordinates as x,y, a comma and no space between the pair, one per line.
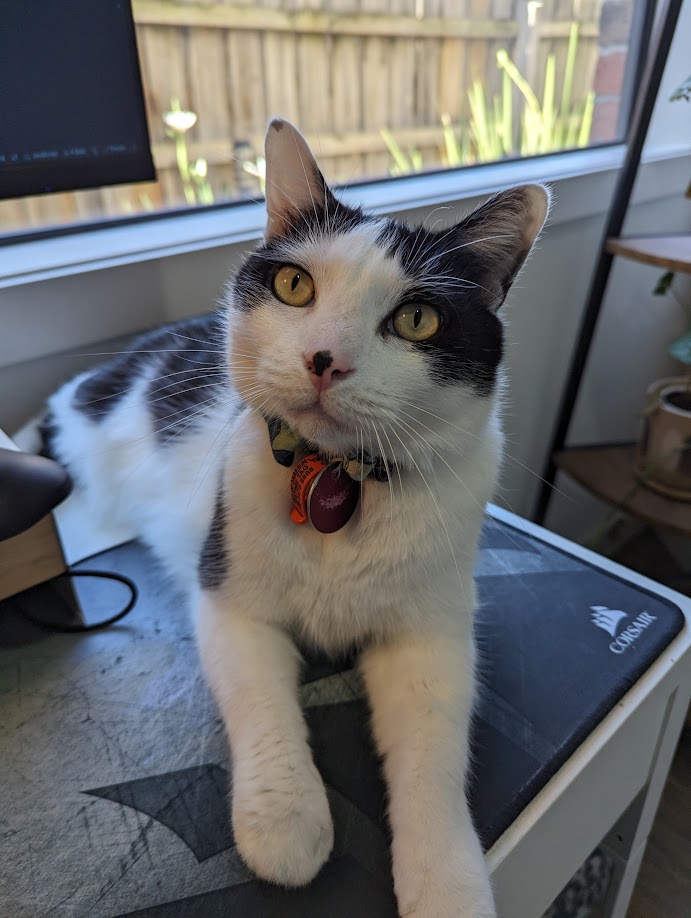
607,619
610,620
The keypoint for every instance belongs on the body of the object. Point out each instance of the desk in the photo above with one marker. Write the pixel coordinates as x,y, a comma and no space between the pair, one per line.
117,767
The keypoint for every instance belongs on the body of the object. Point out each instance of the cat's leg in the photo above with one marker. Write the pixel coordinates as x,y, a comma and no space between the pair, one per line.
281,818
420,690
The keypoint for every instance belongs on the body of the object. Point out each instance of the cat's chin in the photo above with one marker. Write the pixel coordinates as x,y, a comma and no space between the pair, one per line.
318,426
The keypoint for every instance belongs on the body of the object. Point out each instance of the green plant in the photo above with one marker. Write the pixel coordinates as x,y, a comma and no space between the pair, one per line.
680,348
403,162
194,181
257,168
544,125
495,131
683,91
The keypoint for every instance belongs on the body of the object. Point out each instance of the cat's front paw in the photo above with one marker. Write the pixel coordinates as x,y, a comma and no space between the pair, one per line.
449,897
452,885
460,908
282,824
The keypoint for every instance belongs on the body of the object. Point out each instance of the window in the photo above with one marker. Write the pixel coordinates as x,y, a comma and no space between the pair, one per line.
379,87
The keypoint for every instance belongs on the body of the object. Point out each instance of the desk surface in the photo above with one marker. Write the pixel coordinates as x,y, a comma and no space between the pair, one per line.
118,764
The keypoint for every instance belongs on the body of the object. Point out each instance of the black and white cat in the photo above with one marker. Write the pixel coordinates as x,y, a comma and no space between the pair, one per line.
377,347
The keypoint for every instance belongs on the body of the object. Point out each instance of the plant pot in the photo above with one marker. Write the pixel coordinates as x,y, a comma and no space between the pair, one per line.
664,453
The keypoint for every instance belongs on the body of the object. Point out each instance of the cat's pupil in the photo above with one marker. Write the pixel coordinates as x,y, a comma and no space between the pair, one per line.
417,318
296,281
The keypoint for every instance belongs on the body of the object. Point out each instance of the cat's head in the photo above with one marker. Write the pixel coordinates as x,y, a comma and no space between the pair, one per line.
356,329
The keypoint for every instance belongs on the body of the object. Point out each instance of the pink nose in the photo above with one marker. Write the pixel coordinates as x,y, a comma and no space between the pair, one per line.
325,369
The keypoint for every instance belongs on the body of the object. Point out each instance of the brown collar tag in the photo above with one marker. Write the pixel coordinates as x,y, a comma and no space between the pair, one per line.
323,494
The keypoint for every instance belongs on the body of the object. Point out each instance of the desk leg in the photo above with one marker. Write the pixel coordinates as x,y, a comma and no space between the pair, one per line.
668,738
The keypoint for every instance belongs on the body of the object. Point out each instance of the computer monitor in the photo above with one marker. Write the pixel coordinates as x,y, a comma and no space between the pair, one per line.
72,111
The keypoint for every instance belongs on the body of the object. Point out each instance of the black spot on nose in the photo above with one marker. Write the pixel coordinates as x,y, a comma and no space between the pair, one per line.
322,360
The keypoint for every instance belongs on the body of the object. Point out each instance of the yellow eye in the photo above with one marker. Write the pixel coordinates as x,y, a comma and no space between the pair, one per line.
293,286
416,322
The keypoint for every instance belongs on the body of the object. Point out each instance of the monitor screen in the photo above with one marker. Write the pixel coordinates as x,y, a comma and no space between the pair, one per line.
71,106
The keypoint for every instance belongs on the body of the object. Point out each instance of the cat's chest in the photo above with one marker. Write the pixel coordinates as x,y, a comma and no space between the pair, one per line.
335,589
383,566
380,534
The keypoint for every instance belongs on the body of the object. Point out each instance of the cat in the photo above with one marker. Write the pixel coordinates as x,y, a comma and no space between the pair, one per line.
368,345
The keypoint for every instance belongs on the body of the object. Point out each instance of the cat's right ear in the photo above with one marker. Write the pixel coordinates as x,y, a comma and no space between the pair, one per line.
495,240
294,182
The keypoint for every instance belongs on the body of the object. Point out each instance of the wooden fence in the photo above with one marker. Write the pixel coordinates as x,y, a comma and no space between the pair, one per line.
340,69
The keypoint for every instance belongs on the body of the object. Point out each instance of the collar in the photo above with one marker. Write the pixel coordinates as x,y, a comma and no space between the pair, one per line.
285,442
321,493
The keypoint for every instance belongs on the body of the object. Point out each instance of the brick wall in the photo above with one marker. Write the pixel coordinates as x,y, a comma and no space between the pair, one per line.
615,28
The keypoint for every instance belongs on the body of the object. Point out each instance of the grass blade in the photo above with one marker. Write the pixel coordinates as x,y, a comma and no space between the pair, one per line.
587,120
507,112
547,139
400,159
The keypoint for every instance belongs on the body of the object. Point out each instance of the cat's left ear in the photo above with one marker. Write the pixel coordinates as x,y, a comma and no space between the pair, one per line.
499,235
294,182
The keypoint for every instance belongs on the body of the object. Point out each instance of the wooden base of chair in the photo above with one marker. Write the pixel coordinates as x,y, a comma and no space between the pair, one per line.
30,558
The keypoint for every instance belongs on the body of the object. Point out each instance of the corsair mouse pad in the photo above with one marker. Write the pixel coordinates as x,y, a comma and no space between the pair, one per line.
116,770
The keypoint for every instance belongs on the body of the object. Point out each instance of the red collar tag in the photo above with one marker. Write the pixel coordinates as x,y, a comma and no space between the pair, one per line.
323,494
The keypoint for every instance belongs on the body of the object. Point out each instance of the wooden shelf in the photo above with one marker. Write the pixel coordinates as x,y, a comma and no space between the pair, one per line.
669,252
608,472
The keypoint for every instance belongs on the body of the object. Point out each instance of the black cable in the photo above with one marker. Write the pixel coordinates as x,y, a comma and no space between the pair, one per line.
77,629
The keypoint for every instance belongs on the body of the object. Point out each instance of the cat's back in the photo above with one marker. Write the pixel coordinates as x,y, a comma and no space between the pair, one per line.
162,368
142,433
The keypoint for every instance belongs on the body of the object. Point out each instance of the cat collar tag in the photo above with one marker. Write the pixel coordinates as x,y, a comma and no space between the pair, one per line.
323,494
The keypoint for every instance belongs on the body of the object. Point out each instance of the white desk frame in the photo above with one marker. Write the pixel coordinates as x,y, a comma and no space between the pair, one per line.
610,788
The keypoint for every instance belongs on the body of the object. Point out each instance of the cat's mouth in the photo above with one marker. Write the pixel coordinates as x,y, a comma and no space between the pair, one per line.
315,411
321,425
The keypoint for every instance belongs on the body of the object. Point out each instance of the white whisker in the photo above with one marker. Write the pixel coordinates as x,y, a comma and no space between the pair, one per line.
469,433
194,491
388,479
436,505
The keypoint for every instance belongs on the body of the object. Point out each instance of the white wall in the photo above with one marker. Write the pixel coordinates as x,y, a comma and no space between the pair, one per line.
629,350
47,323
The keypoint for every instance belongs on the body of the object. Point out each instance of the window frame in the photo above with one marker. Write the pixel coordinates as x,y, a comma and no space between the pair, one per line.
93,248
366,191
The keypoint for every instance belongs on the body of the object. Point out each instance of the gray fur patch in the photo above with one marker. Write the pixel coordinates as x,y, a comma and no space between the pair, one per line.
186,364
214,563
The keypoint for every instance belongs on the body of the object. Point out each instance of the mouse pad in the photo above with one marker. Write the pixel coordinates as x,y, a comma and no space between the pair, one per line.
115,769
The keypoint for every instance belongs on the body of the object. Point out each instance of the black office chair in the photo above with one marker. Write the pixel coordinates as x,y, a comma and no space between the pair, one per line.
30,487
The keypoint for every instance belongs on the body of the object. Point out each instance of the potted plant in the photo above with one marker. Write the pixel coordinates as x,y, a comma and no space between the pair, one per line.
664,453
664,460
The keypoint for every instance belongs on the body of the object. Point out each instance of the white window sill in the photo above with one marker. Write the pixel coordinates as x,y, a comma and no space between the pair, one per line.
107,247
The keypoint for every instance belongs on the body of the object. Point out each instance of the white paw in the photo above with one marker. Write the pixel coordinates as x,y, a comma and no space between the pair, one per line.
282,824
450,904
451,885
